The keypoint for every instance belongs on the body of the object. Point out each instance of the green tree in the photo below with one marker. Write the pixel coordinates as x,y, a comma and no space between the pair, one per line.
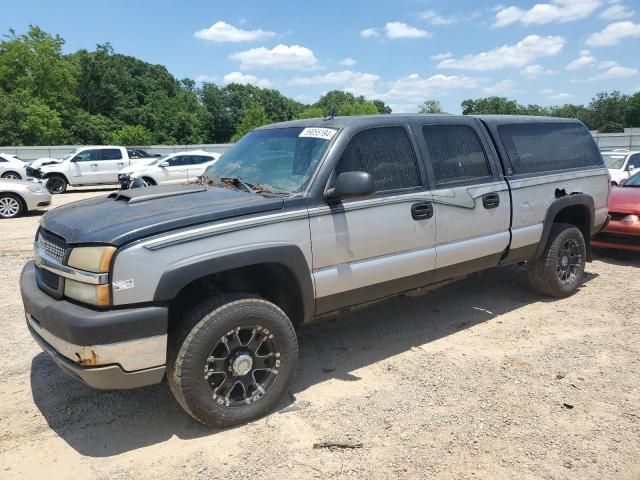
632,113
430,106
359,108
311,112
132,135
254,117
607,109
41,125
490,105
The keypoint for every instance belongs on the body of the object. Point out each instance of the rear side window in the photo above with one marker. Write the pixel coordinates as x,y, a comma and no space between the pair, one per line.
456,154
544,147
386,154
111,154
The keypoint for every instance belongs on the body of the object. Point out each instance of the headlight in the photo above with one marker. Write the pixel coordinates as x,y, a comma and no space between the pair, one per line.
87,293
91,259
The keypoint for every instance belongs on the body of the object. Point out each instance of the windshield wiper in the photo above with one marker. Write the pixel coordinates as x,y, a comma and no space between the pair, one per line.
238,182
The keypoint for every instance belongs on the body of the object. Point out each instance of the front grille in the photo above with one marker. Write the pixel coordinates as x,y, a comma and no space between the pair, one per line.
617,216
50,279
53,246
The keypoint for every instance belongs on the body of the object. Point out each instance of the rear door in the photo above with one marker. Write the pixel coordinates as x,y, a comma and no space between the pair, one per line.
197,165
110,163
471,202
365,249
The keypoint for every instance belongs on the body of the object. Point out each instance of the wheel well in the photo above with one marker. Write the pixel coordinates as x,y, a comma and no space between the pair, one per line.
272,281
56,174
4,174
149,180
18,197
577,215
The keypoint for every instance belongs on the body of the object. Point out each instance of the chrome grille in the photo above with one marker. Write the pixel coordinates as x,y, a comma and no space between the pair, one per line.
53,247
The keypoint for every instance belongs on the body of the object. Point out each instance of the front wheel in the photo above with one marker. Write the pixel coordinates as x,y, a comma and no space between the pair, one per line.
560,269
11,206
232,359
56,184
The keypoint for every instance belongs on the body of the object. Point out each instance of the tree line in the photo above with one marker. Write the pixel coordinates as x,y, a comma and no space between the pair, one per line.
98,97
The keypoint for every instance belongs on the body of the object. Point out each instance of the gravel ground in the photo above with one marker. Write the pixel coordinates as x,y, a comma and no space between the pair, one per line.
480,379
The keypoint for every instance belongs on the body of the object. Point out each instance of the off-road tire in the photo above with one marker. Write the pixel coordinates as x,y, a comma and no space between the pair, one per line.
543,272
56,184
193,340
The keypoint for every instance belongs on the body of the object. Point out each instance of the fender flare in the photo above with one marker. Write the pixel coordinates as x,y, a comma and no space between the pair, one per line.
289,256
574,199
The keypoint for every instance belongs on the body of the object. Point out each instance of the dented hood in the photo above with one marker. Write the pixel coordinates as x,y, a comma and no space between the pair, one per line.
129,215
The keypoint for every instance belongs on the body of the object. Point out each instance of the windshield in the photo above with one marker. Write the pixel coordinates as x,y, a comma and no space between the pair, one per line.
277,160
633,181
613,160
69,156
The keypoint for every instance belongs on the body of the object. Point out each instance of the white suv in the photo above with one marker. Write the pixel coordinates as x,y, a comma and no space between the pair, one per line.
179,167
622,163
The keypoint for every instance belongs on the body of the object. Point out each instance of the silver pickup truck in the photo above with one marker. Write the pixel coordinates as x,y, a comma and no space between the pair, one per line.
205,285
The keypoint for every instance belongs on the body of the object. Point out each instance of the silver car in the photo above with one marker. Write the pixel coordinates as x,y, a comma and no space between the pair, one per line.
20,196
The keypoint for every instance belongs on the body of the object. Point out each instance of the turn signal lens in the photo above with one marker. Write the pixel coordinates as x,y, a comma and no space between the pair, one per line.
86,293
91,259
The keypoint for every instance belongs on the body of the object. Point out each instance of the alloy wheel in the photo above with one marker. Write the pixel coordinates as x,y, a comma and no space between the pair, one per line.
242,366
569,261
9,207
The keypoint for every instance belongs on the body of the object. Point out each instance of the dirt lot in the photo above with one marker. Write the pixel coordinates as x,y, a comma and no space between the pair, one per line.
481,379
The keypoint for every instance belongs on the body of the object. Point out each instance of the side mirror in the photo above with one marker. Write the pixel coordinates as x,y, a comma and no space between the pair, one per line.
351,185
164,164
631,168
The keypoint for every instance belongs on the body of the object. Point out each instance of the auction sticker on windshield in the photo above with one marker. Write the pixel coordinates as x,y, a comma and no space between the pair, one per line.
316,132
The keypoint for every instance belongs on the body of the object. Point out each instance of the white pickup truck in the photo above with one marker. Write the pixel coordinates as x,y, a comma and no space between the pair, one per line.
97,165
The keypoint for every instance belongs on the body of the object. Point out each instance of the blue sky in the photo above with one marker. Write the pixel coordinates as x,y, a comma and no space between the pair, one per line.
401,51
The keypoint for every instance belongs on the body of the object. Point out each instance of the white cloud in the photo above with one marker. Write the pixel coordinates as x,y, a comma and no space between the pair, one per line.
224,32
434,18
347,62
613,33
285,57
616,12
358,83
369,33
546,91
241,78
560,96
500,88
442,56
535,71
584,60
402,30
413,89
522,53
617,71
607,64
207,78
555,11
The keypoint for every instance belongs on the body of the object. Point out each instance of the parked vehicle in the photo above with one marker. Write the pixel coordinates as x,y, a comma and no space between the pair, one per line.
98,165
179,167
12,168
18,197
621,163
623,230
299,221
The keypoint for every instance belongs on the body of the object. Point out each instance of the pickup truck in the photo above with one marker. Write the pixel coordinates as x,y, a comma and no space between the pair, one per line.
205,285
97,165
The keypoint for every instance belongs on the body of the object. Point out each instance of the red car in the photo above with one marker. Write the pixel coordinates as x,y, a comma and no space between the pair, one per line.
623,230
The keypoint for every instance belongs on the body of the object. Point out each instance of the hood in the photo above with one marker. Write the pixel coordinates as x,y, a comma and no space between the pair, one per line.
625,200
44,161
128,215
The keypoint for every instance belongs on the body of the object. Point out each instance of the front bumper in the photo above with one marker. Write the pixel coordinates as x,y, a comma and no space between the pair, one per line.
619,234
113,349
37,199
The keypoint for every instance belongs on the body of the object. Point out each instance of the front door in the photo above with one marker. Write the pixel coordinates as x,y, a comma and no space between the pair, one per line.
175,171
471,202
366,249
84,167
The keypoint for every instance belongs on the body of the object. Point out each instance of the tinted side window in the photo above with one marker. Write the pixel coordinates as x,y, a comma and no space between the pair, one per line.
176,161
111,154
386,154
543,147
456,153
634,160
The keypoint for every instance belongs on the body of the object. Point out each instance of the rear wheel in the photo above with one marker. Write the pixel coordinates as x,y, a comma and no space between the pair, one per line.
560,269
57,184
12,176
11,205
232,359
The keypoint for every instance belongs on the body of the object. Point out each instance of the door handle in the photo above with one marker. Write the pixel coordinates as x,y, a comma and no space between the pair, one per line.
94,164
491,200
422,211
120,164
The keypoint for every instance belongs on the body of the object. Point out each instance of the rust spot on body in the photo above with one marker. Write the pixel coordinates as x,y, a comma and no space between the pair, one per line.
87,358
